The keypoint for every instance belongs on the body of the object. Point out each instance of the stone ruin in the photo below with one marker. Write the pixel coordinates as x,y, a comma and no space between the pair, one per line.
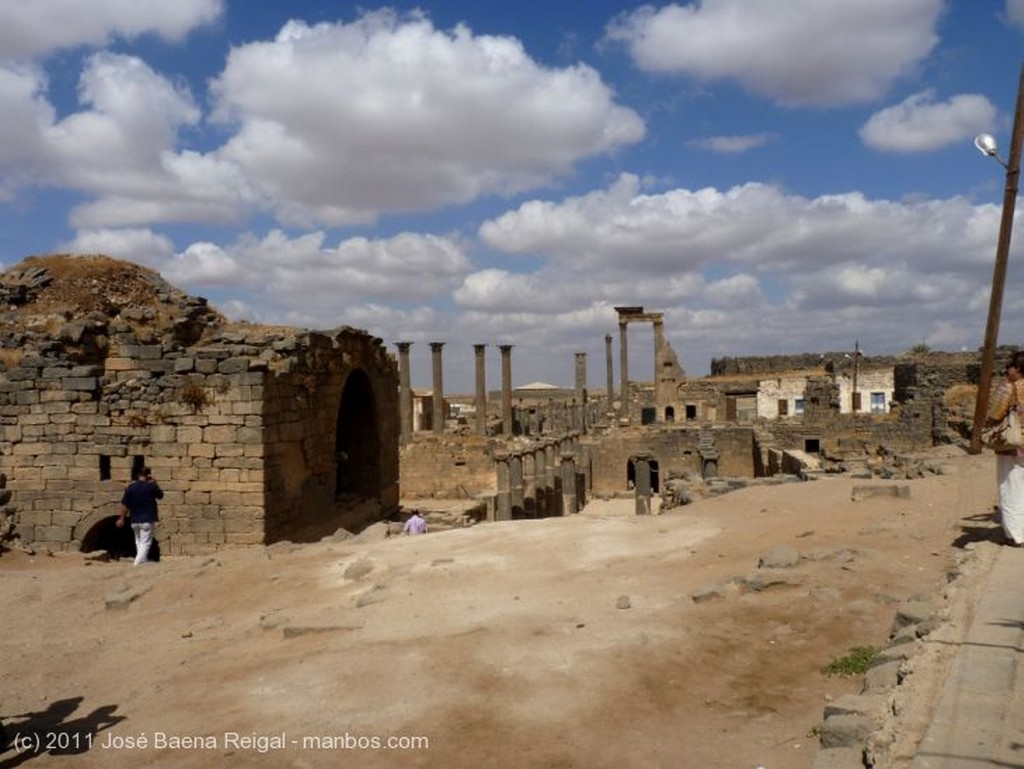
256,434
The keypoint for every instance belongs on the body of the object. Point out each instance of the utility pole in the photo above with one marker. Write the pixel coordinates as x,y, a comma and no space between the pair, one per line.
854,400
995,307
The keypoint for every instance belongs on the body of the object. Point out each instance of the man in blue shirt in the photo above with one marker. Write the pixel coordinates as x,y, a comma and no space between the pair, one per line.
139,501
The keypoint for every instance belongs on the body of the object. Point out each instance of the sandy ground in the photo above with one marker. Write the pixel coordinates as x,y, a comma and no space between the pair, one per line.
503,645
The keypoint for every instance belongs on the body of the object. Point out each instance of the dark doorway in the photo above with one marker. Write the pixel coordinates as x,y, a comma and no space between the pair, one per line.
107,535
357,442
691,412
670,414
648,415
812,445
631,475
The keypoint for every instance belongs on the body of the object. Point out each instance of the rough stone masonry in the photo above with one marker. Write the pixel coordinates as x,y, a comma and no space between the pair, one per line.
256,434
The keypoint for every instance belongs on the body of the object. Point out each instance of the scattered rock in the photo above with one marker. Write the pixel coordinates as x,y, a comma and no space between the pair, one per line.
882,678
913,613
861,493
623,602
375,533
845,731
294,631
96,555
282,548
376,594
358,570
709,593
780,557
123,596
339,536
766,579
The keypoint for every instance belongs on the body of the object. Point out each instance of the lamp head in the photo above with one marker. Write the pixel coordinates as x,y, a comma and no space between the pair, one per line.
986,145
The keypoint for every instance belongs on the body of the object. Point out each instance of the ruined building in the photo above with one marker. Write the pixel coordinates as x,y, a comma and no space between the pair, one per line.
255,434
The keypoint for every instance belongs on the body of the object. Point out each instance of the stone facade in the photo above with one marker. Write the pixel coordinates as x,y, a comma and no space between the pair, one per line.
254,434
674,452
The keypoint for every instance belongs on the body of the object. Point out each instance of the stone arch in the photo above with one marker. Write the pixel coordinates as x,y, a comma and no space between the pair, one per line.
357,442
99,531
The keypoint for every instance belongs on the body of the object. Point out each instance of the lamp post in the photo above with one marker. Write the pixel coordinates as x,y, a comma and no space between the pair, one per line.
854,395
987,146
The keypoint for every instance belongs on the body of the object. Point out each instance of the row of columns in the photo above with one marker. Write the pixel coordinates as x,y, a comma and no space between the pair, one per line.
437,401
580,420
547,480
626,315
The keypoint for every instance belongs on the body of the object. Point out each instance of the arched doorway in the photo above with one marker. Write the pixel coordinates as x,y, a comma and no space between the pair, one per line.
357,440
670,414
105,534
655,474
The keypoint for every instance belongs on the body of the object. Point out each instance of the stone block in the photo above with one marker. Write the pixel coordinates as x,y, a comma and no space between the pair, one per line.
202,450
893,491
220,434
839,758
85,383
120,363
164,434
55,472
845,731
233,366
53,533
189,434
882,678
66,518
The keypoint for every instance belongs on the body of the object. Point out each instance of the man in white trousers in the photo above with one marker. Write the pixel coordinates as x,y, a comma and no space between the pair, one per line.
139,502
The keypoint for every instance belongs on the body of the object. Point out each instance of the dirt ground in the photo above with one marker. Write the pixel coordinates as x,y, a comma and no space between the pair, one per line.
554,643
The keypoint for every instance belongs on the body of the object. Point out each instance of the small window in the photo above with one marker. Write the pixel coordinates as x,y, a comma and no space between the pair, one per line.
783,407
798,406
138,462
104,467
670,414
691,412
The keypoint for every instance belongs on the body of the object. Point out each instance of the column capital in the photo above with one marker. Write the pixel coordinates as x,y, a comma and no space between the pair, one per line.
403,346
506,347
480,347
436,345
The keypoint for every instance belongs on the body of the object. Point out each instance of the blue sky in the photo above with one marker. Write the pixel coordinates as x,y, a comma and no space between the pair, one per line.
776,176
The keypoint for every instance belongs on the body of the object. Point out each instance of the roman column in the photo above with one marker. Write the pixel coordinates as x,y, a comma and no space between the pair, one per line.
404,392
481,390
438,415
506,388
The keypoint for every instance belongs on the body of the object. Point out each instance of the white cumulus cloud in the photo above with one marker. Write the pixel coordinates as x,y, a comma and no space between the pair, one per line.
338,122
919,123
799,52
35,28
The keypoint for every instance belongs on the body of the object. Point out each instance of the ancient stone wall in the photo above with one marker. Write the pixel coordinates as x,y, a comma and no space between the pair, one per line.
448,467
676,450
243,427
332,433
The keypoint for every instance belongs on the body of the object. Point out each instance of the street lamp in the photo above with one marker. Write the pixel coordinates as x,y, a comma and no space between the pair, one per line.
987,146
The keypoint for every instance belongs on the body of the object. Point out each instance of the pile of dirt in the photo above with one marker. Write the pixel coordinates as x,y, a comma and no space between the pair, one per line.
43,289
